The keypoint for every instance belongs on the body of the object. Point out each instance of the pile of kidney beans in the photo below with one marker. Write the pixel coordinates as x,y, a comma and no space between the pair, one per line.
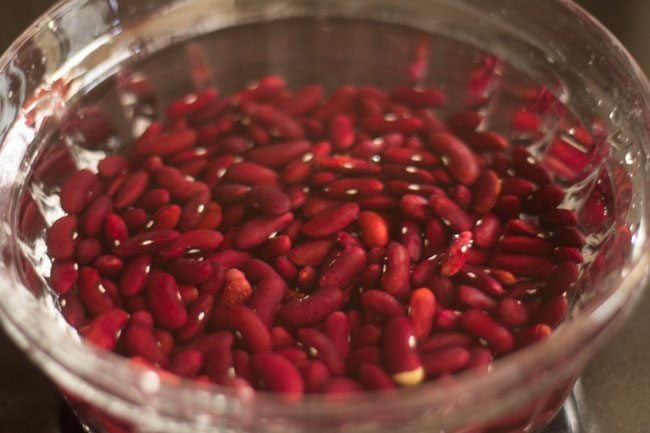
304,243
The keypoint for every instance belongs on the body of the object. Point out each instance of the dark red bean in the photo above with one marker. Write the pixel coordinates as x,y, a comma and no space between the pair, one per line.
450,213
92,220
312,309
344,268
444,361
399,352
356,230
277,374
330,221
278,155
483,326
146,243
254,332
396,278
462,163
319,346
257,230
79,190
268,199
63,276
164,301
62,237
104,331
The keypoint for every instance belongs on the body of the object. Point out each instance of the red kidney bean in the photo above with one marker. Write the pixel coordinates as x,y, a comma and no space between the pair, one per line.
164,300
167,144
108,265
525,266
62,237
483,326
526,245
229,258
480,279
241,361
254,333
444,361
553,311
146,243
368,335
479,358
165,218
141,341
319,346
312,309
378,304
267,297
104,331
471,297
517,187
421,235
268,199
532,334
79,190
278,155
189,271
193,211
286,269
344,268
215,283
528,167
347,165
373,377
399,352
93,293
485,192
134,275
456,255
395,280
63,276
131,190
561,279
330,221
277,374
134,218
424,271
353,188
348,240
92,220
87,250
450,213
410,238
314,374
311,253
187,363
337,328
257,230
198,314
236,290
461,161
112,166
218,362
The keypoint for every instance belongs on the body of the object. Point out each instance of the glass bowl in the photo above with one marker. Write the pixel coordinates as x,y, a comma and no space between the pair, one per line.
89,76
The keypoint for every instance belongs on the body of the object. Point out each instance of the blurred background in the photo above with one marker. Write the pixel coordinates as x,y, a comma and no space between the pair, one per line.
615,390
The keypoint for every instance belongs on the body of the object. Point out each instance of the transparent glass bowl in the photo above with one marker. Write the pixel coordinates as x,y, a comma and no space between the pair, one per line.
69,95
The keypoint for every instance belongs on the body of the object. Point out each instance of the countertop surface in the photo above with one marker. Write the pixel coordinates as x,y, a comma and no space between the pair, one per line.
615,387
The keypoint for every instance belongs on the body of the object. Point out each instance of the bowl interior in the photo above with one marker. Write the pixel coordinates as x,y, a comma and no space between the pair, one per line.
97,104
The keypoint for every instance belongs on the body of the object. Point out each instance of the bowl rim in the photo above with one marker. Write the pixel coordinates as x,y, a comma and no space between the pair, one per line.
74,363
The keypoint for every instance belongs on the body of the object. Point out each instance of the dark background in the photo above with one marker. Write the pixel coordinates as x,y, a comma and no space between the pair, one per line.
617,384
